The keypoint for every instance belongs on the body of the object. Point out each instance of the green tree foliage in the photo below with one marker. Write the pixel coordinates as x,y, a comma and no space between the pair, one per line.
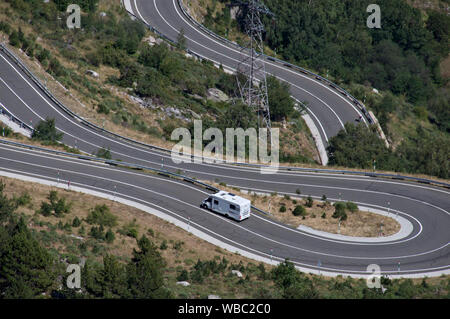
237,115
309,202
154,56
7,207
76,222
144,272
85,5
183,276
26,268
339,211
46,131
439,25
351,207
402,48
56,206
104,153
181,40
108,281
299,211
102,216
109,236
358,146
280,100
295,285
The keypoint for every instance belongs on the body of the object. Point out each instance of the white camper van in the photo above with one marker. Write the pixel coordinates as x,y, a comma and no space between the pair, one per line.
229,205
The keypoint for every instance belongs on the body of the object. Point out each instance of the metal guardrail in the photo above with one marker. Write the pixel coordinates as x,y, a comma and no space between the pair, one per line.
4,111
123,164
287,168
80,119
317,77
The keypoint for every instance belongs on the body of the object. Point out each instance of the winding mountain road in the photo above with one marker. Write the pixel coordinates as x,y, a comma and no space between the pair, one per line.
424,251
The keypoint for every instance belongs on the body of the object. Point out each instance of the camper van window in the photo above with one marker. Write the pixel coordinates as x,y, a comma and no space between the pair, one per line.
216,202
232,207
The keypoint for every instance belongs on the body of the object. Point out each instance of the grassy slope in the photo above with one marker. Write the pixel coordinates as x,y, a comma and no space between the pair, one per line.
182,252
85,96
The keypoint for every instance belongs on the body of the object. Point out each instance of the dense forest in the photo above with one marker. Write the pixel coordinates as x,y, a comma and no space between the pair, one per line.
402,60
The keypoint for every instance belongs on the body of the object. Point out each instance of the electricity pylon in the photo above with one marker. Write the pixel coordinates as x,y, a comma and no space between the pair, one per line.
251,70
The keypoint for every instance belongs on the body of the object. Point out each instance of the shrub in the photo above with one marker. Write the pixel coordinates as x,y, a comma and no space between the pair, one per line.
163,245
282,209
76,222
97,232
324,215
178,245
339,211
352,207
46,209
14,39
130,230
56,205
109,236
46,131
104,153
298,191
299,211
280,100
309,201
101,215
102,108
23,199
183,276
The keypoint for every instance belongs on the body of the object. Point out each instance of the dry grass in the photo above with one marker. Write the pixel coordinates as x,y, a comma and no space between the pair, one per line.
193,248
358,224
77,101
445,68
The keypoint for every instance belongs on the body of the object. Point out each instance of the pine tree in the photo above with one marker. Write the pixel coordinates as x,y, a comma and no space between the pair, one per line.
145,272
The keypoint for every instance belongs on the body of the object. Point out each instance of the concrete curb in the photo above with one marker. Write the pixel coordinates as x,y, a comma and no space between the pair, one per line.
406,228
16,128
317,138
189,227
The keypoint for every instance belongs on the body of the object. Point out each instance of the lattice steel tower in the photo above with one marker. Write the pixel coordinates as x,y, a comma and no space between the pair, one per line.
251,71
